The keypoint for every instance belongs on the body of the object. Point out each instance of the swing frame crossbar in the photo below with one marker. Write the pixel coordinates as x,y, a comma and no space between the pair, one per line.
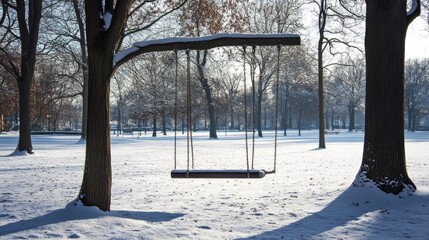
210,173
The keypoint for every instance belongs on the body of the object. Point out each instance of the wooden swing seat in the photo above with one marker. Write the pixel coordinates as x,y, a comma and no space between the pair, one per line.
236,173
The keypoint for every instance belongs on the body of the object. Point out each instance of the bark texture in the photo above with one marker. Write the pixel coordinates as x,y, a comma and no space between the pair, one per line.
102,42
384,153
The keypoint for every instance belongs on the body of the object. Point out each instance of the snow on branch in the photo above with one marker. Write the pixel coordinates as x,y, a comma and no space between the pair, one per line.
206,42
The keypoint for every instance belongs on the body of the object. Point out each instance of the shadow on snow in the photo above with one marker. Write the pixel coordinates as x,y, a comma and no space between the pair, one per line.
75,212
351,205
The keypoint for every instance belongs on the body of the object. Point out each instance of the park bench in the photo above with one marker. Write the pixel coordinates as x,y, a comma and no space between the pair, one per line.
332,132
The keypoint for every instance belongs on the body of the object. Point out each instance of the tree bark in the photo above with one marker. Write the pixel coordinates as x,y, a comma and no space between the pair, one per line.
97,177
259,109
29,35
351,117
154,125
206,87
383,159
24,88
322,24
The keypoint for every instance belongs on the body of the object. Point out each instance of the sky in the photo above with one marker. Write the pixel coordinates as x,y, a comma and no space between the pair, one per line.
417,41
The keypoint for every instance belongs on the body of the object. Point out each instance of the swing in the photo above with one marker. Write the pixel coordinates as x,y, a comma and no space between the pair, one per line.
228,173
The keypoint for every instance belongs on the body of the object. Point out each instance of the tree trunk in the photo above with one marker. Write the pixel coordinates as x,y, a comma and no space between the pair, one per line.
284,118
119,125
232,117
259,110
164,122
183,124
84,65
322,24
97,178
206,87
383,159
154,126
299,122
409,116
28,23
24,87
351,118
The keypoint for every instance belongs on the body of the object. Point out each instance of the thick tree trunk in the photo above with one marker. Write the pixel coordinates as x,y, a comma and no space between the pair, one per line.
24,87
97,178
383,159
28,23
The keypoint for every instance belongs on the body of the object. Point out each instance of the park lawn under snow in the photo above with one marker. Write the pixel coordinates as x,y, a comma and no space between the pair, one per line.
310,196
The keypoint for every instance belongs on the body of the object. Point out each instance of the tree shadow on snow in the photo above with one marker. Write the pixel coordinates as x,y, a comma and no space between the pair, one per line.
347,207
75,211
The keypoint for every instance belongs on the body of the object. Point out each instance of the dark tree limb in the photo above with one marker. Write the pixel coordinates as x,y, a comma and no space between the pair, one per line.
414,11
204,43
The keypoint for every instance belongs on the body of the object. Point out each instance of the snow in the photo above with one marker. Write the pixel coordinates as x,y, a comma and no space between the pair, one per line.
141,44
107,19
310,196
413,8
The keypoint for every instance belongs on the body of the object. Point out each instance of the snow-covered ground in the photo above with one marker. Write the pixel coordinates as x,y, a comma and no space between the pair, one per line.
310,196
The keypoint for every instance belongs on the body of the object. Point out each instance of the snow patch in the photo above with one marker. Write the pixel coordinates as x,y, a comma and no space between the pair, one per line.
107,19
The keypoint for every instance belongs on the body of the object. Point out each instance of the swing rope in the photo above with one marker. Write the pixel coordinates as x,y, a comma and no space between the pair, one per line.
245,110
175,109
252,76
276,110
250,172
190,145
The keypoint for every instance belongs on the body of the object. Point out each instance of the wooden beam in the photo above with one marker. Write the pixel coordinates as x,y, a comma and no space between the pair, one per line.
203,43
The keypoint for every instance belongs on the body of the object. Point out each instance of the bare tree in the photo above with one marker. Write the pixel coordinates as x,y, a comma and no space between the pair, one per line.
104,37
20,21
335,19
205,17
268,17
416,90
